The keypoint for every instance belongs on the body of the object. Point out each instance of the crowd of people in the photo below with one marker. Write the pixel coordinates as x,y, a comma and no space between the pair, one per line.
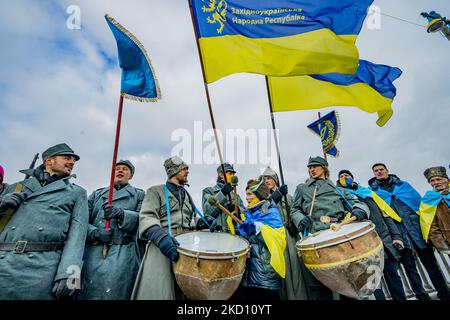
58,243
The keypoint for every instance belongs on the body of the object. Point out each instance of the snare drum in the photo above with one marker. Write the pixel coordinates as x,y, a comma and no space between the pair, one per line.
349,261
211,265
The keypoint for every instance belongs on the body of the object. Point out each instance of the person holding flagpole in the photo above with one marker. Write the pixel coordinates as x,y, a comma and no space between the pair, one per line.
112,277
293,285
223,192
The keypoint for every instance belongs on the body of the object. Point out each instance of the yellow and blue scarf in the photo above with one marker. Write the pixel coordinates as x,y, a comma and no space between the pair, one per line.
364,193
428,208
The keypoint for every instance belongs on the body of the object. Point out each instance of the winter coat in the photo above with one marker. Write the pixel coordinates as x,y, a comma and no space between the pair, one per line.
56,212
209,210
440,227
385,227
293,285
259,273
328,202
409,227
155,279
112,278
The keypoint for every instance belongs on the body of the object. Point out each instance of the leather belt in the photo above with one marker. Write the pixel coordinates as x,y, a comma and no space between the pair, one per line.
179,230
326,219
22,246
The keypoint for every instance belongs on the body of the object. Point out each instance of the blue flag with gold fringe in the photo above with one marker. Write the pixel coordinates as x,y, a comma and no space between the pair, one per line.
328,129
278,37
138,77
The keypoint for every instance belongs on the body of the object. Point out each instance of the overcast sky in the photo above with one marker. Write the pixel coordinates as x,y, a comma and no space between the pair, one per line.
60,85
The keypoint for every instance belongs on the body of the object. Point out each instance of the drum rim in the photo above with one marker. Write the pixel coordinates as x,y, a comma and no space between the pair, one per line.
213,255
328,243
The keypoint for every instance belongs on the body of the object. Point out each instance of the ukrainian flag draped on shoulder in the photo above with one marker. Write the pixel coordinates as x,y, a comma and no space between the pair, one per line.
371,89
427,211
274,235
364,193
138,77
278,37
404,192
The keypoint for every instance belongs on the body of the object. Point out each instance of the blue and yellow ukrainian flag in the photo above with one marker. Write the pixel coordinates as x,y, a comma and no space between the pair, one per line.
278,37
427,210
371,89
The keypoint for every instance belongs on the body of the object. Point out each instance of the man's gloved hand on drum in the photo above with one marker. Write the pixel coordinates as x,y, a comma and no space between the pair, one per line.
201,224
166,243
306,222
360,214
215,227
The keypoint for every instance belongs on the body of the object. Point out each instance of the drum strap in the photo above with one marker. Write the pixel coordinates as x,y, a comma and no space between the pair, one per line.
196,210
166,194
350,207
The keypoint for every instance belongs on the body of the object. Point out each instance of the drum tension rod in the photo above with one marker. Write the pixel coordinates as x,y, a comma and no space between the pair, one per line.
198,258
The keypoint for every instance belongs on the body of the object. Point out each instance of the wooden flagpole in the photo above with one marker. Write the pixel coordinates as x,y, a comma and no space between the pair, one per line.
113,170
323,151
211,115
277,147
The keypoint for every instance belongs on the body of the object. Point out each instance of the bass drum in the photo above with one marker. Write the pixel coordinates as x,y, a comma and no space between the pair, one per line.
211,265
349,261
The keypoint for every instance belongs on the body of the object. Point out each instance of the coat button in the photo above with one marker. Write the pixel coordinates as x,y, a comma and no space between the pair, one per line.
30,256
24,203
2,256
40,229
13,228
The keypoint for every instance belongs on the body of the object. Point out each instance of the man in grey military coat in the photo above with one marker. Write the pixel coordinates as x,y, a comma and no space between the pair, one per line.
112,277
223,192
159,223
42,243
318,204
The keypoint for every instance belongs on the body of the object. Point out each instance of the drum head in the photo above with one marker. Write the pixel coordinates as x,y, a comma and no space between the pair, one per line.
212,244
329,237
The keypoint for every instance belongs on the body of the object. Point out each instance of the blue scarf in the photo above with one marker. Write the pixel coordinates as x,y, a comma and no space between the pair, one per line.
361,192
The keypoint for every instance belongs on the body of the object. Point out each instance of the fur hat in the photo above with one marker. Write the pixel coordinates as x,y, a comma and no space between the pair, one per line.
173,165
435,172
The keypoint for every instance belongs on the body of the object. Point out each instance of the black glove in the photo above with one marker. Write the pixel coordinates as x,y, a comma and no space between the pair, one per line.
292,230
276,196
165,243
215,227
13,200
226,189
100,235
306,222
168,246
60,289
283,189
359,214
113,212
201,224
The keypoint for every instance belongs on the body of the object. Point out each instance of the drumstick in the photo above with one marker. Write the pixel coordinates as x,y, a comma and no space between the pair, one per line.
234,183
337,226
213,201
